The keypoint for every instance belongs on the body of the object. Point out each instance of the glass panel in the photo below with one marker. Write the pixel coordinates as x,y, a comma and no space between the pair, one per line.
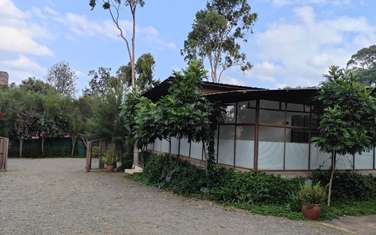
230,113
268,104
272,117
307,108
226,145
246,114
244,146
271,148
297,119
297,149
174,146
196,150
320,160
184,147
297,135
295,107
158,145
165,146
315,120
345,162
364,161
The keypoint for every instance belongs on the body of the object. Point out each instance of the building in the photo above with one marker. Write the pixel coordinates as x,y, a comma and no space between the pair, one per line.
4,77
264,130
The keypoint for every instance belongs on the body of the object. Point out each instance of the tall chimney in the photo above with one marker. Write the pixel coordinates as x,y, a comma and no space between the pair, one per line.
4,77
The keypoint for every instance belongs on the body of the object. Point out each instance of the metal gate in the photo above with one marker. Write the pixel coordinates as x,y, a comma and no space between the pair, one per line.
4,142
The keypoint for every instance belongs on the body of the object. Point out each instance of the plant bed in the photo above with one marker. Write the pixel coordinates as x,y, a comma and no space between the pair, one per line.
258,193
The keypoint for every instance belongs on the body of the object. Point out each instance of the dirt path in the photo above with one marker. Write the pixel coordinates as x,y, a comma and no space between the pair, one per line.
56,196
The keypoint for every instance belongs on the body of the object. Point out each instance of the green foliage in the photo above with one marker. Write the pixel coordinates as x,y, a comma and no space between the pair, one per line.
179,176
310,194
255,188
256,192
347,124
62,77
229,186
109,156
217,33
363,63
348,185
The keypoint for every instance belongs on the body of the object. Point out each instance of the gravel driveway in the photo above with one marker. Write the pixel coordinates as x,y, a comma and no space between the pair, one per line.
56,196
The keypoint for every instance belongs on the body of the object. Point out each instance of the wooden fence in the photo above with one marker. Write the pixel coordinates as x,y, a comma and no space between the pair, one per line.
4,142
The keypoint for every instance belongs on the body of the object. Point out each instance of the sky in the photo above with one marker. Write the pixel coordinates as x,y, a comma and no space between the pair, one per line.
292,45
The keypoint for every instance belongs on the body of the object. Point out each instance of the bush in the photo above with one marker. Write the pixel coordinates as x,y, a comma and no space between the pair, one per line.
256,188
348,185
179,176
312,194
222,185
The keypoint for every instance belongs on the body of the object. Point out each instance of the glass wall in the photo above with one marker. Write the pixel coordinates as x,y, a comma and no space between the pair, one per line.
272,134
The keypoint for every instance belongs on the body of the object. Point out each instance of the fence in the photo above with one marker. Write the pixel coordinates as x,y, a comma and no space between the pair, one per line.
53,147
3,153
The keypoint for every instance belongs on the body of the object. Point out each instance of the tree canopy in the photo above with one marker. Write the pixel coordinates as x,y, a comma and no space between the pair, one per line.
363,63
217,34
62,77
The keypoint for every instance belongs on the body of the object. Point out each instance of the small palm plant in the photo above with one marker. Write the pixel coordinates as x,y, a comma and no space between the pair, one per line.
311,196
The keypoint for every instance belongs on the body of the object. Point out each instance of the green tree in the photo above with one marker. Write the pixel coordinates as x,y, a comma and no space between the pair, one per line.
62,77
35,85
217,34
348,122
363,63
114,7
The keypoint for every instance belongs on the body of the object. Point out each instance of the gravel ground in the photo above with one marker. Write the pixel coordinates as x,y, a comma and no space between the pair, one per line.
56,196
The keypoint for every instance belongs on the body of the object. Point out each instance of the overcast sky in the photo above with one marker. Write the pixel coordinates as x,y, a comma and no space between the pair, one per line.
293,42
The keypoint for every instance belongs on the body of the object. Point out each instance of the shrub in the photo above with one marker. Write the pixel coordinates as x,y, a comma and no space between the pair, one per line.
348,185
311,194
177,175
253,188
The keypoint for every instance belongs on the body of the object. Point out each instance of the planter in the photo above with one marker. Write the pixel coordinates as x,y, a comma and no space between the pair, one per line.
311,212
109,168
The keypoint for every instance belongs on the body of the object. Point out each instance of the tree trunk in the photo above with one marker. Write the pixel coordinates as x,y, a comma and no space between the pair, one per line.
133,66
135,155
74,140
331,177
20,148
42,145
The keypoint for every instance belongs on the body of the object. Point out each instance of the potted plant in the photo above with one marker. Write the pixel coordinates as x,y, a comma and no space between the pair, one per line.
311,197
109,158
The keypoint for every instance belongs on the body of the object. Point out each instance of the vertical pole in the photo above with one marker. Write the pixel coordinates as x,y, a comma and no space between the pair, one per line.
374,157
179,147
256,149
235,130
285,136
218,129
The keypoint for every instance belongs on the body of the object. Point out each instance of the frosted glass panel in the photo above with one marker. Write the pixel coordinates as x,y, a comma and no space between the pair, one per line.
196,150
297,156
226,145
270,155
364,161
344,162
244,146
149,147
165,146
184,147
158,145
244,153
320,160
174,146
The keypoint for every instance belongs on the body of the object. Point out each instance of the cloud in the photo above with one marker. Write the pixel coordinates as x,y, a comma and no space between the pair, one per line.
298,53
82,26
282,3
19,42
